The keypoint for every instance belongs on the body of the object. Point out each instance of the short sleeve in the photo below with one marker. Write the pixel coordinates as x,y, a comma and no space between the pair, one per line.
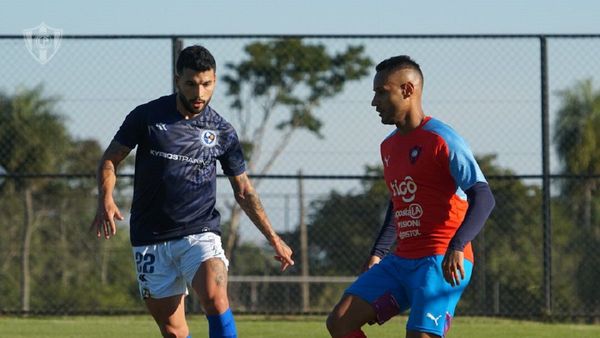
132,130
232,161
463,166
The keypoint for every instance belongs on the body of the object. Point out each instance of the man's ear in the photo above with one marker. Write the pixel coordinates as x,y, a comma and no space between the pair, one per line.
408,89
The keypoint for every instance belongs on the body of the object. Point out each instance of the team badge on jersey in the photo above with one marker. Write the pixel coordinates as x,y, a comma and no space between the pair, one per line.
414,153
208,138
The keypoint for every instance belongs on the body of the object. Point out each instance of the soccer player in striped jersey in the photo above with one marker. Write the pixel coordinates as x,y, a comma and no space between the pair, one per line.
439,202
174,227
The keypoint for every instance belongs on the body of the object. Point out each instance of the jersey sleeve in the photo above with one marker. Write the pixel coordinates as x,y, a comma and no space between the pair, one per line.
386,236
463,166
481,203
232,161
471,185
132,130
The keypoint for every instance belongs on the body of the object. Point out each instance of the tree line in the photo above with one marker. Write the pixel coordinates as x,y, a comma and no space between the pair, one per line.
51,262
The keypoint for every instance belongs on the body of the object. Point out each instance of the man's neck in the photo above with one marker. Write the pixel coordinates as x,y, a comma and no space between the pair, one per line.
412,121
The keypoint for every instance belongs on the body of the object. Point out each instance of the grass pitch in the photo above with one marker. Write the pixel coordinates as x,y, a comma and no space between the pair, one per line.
275,327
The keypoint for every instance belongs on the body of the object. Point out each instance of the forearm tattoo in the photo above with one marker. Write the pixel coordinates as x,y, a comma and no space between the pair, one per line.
250,202
113,155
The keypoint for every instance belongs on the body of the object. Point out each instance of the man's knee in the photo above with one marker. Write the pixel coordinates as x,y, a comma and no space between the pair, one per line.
338,329
171,331
215,305
339,326
385,308
332,323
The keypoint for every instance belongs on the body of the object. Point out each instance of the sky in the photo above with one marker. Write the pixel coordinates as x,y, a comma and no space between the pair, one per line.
386,17
304,17
245,17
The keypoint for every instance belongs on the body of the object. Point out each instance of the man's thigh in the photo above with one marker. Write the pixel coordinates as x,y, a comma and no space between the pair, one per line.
158,275
210,283
169,313
382,287
164,269
433,300
204,266
194,250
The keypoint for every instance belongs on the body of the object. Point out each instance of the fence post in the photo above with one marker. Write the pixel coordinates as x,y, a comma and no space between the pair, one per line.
546,220
303,246
176,47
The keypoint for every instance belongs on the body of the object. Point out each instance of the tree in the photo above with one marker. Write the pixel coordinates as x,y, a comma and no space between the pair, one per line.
44,220
287,80
577,141
508,252
27,127
342,227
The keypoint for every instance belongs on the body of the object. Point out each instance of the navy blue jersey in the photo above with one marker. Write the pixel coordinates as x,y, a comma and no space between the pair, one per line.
175,169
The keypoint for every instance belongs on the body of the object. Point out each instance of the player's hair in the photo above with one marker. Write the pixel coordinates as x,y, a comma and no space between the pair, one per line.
399,62
196,58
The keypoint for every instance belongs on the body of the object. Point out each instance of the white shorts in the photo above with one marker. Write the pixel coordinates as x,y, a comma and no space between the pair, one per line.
164,269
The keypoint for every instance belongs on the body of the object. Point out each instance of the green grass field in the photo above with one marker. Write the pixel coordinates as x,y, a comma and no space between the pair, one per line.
265,327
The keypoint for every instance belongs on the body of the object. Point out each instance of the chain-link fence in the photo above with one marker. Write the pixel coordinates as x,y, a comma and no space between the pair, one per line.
528,105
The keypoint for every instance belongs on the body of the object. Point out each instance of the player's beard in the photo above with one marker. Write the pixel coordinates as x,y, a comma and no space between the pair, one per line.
187,104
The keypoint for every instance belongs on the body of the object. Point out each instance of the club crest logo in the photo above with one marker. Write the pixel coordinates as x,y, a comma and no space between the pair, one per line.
208,138
414,153
42,42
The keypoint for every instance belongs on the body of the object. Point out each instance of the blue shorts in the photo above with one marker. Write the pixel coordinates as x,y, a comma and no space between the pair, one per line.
415,284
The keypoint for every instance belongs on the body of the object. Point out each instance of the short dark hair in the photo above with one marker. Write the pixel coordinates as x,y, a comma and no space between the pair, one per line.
197,58
399,62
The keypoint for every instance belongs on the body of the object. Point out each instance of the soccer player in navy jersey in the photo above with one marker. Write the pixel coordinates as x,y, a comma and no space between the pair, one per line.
174,226
439,201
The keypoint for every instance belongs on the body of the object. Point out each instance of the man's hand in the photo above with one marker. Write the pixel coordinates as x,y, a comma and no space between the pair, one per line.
107,211
104,222
369,264
283,253
452,266
248,199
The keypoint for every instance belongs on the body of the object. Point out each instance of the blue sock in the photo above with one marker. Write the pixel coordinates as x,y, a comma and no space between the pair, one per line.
222,326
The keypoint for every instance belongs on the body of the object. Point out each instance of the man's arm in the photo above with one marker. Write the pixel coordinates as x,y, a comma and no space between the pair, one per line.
248,199
106,175
384,240
481,202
